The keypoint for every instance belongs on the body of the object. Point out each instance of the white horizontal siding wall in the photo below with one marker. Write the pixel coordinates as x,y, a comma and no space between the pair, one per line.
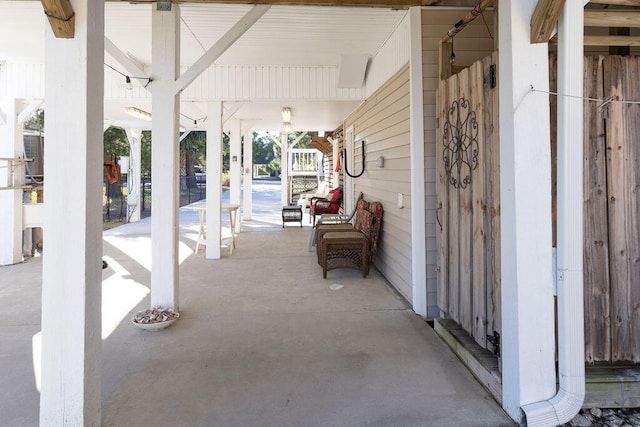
391,57
382,121
256,83
22,80
471,44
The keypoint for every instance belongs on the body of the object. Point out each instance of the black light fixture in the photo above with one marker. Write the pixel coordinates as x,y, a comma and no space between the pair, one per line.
127,78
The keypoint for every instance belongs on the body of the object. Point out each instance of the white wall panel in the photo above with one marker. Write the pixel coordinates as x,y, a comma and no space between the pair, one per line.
260,83
391,57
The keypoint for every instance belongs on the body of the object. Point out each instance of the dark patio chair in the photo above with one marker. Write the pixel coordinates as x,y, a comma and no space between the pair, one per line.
326,205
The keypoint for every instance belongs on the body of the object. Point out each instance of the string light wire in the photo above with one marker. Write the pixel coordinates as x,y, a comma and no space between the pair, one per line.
128,78
604,101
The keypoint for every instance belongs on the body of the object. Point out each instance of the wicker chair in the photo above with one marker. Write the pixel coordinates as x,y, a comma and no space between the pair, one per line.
352,248
358,224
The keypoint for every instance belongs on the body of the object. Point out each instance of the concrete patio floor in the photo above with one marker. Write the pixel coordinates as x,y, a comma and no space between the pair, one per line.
262,340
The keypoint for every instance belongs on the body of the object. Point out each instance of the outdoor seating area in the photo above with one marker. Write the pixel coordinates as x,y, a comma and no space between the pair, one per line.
346,245
330,204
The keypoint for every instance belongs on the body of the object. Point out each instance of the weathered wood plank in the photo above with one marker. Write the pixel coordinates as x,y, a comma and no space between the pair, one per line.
442,210
61,17
618,171
493,200
454,227
632,133
479,178
544,19
618,2
596,243
480,362
349,3
465,217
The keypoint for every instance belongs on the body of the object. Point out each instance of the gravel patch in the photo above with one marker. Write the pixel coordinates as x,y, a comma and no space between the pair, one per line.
596,417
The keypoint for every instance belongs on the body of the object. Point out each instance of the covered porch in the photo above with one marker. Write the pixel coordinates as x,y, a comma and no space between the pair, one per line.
262,340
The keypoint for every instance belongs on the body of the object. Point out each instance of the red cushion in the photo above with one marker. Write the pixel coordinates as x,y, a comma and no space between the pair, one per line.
332,195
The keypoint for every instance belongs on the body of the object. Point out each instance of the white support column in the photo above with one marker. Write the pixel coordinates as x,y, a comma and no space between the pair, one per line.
567,402
165,158
214,180
418,231
284,169
247,198
11,146
71,267
235,165
528,372
133,182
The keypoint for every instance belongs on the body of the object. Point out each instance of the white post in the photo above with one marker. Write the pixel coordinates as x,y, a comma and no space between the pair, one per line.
528,373
284,169
235,166
570,396
165,158
133,181
71,267
418,231
571,201
214,180
247,198
11,200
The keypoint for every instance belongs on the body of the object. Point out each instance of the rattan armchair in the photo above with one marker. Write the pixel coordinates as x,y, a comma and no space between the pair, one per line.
352,248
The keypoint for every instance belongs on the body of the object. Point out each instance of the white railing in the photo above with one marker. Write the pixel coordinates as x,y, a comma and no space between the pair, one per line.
304,161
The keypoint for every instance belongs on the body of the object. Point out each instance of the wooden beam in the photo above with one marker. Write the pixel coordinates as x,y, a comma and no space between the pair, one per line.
399,4
350,3
618,2
545,19
609,18
469,17
61,17
612,40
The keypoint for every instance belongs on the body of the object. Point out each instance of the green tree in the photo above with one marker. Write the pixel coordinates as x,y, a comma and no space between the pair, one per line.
116,144
191,151
226,151
145,153
35,121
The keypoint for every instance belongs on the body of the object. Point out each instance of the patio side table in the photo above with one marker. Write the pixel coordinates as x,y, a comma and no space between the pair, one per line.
292,214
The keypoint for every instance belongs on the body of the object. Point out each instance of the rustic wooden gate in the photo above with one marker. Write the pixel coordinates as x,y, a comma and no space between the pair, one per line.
611,209
468,214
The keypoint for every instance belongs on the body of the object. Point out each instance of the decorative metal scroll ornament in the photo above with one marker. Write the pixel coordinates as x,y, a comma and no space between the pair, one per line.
460,140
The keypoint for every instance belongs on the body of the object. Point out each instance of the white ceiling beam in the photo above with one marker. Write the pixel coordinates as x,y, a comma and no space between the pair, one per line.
275,139
297,140
221,46
247,125
29,109
131,66
233,108
184,134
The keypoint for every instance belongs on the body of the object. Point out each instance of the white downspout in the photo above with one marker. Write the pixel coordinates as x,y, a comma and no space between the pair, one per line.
567,402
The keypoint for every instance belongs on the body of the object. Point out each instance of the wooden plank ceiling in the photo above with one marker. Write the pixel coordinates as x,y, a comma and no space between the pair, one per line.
403,4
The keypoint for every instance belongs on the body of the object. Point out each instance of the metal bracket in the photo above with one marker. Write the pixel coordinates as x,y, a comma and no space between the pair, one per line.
163,5
494,340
